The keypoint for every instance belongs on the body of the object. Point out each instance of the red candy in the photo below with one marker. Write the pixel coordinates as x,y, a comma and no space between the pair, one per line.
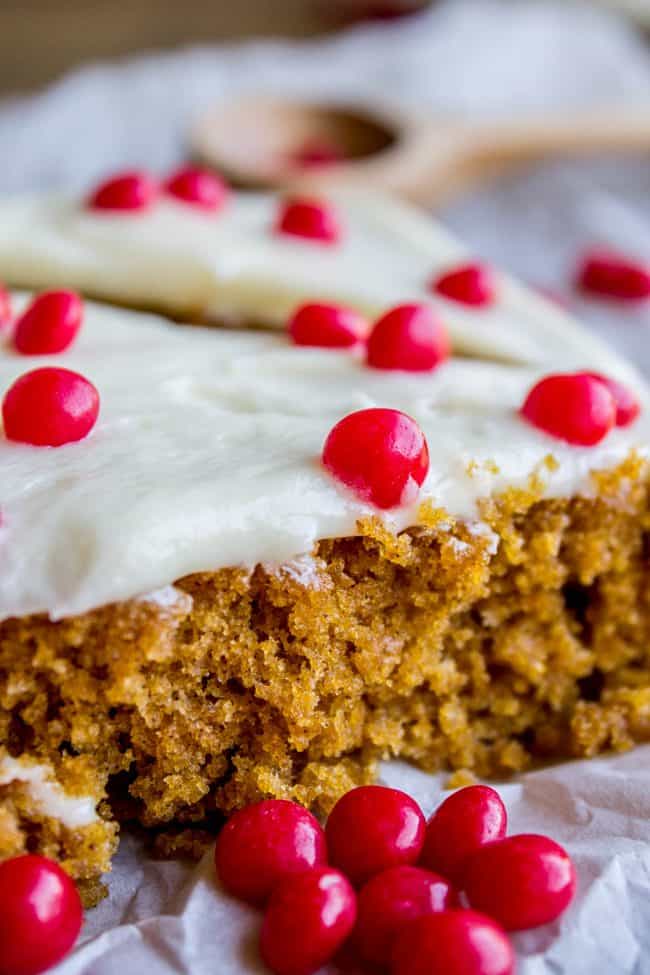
49,324
610,275
328,326
392,898
627,405
312,219
263,844
40,915
379,454
49,407
574,407
308,919
409,337
5,308
470,284
200,187
522,881
372,828
466,820
133,190
315,154
453,943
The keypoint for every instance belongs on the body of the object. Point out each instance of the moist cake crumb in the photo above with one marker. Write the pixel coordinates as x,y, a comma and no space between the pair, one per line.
429,645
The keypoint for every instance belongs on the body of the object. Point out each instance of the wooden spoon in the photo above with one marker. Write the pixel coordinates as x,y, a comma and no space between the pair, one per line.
312,147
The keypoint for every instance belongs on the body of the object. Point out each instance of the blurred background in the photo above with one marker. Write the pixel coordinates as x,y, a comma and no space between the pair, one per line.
89,86
40,39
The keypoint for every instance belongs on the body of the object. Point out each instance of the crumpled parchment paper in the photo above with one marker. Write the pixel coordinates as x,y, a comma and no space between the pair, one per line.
479,57
170,918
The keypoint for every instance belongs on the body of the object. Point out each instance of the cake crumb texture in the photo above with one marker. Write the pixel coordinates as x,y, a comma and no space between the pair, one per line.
431,646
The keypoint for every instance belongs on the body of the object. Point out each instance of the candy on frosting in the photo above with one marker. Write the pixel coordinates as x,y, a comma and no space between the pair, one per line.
50,323
576,407
49,407
207,450
409,337
313,219
131,191
327,326
231,266
199,187
470,284
379,454
628,406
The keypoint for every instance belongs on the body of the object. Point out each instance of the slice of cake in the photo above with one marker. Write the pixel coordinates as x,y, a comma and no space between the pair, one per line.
246,264
208,596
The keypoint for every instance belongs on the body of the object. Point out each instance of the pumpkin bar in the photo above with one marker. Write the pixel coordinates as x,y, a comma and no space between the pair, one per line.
200,606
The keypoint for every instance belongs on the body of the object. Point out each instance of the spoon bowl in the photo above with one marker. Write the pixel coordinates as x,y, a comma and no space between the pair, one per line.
309,147
264,141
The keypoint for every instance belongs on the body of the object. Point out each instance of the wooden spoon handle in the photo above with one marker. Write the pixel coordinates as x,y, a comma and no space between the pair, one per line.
434,160
614,129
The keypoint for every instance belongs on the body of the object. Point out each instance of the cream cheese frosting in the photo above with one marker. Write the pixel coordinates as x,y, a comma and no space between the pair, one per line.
47,794
231,266
207,454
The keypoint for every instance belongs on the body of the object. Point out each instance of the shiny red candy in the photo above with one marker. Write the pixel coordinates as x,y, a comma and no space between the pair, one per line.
611,275
200,187
132,191
49,407
466,820
453,943
470,284
409,337
379,454
308,919
522,881
373,828
5,308
327,326
263,844
49,324
312,219
574,407
392,898
314,154
627,405
40,915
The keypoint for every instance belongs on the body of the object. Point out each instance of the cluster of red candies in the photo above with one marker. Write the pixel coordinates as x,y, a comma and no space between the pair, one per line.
583,407
137,190
418,898
49,406
602,272
379,454
382,454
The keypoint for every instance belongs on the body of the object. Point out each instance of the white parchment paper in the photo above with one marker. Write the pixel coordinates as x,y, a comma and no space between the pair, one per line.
168,918
480,57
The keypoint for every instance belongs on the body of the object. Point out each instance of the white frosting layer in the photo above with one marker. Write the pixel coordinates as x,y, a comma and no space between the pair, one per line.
206,455
46,793
168,598
207,450
231,265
